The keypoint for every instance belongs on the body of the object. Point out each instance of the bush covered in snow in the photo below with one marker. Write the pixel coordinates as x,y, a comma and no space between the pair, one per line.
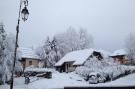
96,71
39,70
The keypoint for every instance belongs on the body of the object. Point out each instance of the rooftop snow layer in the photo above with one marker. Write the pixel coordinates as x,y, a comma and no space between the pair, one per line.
104,53
28,53
119,52
79,57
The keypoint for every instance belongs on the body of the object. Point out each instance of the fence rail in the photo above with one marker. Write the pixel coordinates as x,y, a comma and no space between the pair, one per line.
120,87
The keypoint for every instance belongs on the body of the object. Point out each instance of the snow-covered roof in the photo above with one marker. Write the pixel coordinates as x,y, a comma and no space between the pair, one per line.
119,52
104,53
28,53
79,57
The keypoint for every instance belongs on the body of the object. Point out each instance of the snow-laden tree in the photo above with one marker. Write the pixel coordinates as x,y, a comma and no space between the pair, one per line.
68,41
56,55
43,52
130,46
2,42
73,40
47,56
3,68
7,46
54,49
9,57
49,52
85,39
40,52
10,47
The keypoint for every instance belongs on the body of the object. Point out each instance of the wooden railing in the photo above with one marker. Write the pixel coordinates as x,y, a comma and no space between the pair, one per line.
108,87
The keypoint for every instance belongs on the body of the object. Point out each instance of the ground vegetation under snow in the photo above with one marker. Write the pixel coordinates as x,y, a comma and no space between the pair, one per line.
99,71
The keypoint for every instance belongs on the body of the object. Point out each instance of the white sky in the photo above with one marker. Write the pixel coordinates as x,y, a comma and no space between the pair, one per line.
108,21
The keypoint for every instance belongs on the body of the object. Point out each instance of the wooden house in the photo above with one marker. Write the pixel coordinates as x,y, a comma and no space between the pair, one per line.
76,58
28,58
120,56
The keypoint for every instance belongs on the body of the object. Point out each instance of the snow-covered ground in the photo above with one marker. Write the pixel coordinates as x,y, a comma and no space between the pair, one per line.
60,80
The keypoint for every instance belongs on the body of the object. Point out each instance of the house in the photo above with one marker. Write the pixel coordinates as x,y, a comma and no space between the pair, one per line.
76,58
28,58
120,56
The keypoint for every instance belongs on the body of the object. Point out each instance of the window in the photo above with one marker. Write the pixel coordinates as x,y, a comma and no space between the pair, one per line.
30,62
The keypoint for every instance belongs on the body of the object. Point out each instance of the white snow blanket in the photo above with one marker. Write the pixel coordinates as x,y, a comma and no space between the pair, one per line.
60,80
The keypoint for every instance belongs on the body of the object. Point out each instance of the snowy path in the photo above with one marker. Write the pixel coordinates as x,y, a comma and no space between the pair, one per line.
59,80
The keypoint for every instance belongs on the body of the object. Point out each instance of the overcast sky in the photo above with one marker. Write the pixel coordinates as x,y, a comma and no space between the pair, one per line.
108,21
